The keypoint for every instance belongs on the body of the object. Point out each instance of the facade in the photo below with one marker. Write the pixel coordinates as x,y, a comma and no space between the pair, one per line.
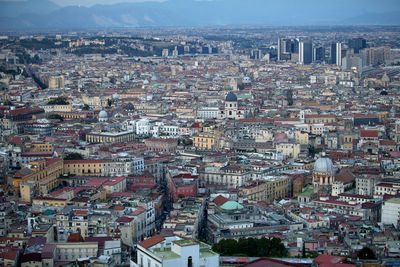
84,167
110,138
206,141
267,190
288,150
44,174
230,176
161,145
68,252
391,211
116,184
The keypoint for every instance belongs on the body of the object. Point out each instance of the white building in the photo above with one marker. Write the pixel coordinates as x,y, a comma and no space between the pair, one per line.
209,113
143,127
123,167
391,211
129,125
158,251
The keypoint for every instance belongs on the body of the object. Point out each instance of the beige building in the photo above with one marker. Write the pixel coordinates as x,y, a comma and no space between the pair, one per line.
266,190
206,141
95,101
39,147
89,167
302,138
109,138
288,150
56,81
67,252
43,173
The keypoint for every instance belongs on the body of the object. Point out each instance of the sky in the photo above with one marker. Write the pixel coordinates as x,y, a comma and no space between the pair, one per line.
94,2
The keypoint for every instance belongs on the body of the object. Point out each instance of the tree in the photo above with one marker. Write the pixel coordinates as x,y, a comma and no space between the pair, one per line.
58,101
366,254
73,156
251,247
55,117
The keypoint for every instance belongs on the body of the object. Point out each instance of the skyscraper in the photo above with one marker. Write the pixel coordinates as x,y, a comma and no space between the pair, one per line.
318,54
336,53
287,48
357,44
305,52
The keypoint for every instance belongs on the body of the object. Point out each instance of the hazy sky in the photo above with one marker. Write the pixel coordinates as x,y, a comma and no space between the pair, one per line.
94,2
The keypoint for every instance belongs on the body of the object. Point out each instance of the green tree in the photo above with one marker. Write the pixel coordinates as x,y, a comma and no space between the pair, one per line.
55,117
251,247
366,254
58,101
73,156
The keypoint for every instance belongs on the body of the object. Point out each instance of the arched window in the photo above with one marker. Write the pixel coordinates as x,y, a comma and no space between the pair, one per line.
190,262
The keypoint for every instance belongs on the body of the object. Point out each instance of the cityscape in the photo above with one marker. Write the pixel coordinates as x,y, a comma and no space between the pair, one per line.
199,139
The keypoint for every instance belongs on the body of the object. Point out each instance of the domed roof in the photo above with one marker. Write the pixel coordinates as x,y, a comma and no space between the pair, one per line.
231,205
103,114
324,165
231,97
129,106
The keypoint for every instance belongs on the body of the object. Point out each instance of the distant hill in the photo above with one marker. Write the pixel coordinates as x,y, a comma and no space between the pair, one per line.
44,14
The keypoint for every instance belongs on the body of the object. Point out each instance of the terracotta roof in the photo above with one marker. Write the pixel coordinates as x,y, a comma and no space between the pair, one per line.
75,237
387,143
154,240
32,257
138,211
345,177
369,133
124,219
329,259
9,255
16,140
220,200
81,212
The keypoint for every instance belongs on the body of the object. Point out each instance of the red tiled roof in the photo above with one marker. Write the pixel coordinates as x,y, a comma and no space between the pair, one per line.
154,240
81,212
75,237
138,211
369,133
329,259
124,219
220,200
114,181
387,143
16,140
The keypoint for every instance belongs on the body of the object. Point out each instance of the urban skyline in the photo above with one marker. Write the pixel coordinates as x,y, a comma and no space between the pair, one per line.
199,133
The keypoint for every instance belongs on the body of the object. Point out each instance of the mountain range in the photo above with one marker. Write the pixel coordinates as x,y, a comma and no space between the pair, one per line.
46,15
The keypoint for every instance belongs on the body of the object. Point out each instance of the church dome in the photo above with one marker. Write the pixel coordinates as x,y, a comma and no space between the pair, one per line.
103,115
129,106
231,205
324,165
231,97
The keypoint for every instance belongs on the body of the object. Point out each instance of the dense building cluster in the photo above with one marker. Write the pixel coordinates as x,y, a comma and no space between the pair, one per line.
110,156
